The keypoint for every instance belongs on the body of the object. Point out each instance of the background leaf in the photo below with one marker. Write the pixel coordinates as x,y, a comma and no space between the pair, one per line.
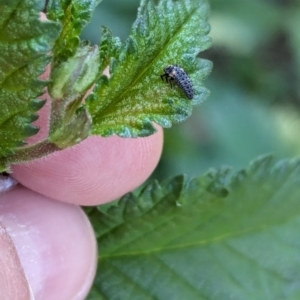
212,237
25,42
173,32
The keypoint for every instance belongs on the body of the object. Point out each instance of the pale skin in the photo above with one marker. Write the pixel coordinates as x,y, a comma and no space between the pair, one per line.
47,246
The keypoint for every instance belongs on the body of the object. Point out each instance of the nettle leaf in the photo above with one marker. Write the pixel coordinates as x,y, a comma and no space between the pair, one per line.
73,15
70,122
110,48
25,41
126,104
212,237
74,69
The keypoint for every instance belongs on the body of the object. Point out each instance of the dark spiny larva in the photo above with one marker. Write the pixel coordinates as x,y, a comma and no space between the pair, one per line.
177,74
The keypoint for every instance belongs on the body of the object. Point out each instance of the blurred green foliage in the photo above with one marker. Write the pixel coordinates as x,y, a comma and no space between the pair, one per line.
254,105
118,15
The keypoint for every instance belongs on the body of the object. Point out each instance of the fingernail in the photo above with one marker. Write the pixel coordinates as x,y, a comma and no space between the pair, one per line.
13,281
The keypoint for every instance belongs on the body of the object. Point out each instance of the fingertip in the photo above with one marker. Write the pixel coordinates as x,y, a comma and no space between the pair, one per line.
95,171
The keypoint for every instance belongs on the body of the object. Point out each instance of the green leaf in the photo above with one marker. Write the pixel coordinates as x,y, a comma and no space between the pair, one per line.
76,75
75,67
173,32
70,122
110,48
73,15
213,237
25,42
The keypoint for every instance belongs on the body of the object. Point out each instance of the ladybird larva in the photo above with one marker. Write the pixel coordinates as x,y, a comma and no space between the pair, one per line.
177,74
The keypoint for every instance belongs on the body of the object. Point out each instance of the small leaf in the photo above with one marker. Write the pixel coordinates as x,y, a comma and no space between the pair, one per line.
73,131
184,240
73,15
74,69
109,50
70,122
76,75
173,32
25,42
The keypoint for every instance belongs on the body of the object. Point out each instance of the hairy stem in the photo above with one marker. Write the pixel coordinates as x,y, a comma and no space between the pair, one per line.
31,152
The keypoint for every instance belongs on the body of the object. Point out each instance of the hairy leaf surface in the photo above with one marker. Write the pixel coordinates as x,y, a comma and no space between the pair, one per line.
73,15
25,41
126,104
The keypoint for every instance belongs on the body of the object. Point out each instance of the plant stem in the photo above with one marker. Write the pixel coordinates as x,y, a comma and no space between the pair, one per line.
31,152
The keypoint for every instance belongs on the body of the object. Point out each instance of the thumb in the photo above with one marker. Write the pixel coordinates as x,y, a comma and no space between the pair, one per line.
51,242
